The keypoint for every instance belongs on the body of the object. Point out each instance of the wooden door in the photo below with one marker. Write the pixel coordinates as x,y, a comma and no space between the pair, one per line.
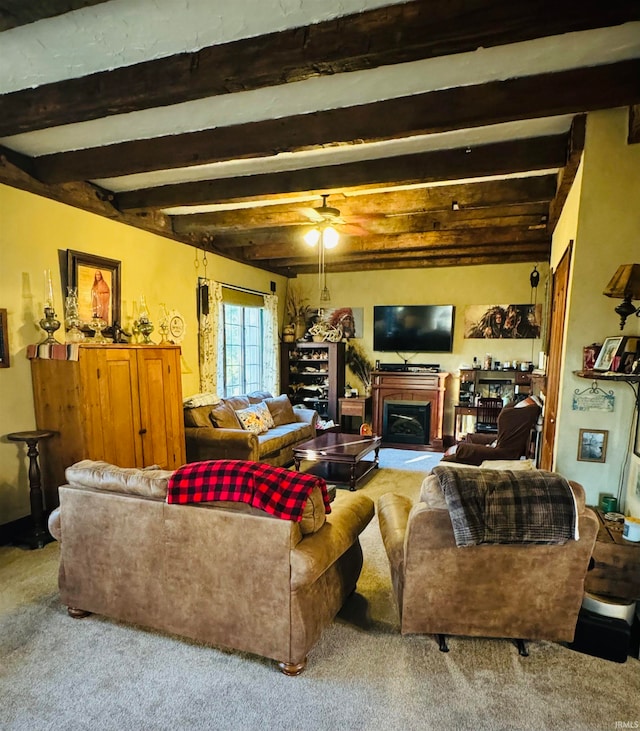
161,418
554,361
111,412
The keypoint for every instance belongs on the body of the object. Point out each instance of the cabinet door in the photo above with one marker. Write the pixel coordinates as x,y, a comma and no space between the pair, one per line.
160,394
111,413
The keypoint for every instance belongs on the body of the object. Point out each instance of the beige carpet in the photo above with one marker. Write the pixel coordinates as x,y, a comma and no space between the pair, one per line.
95,674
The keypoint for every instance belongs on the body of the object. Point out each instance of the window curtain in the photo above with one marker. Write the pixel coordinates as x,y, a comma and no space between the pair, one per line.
270,356
211,339
210,336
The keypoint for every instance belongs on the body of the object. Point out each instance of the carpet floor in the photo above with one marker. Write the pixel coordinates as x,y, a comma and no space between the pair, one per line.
99,675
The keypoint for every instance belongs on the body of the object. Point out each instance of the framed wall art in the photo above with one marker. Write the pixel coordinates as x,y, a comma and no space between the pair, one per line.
592,445
607,353
98,283
4,340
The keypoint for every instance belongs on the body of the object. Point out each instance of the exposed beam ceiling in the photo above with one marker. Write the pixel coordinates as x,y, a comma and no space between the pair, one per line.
465,156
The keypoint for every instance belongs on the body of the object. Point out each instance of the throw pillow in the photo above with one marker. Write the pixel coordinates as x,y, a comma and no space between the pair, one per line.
281,410
256,396
222,416
256,418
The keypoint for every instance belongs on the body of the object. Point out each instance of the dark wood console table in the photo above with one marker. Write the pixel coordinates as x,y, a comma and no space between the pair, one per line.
411,386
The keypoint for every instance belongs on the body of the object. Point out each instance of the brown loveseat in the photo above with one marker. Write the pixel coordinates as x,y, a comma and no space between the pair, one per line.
222,573
213,430
510,591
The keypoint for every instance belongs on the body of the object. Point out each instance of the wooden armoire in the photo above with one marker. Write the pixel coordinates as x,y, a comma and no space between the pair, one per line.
117,403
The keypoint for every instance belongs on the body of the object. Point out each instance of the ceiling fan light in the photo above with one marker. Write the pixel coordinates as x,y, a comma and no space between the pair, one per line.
330,237
312,236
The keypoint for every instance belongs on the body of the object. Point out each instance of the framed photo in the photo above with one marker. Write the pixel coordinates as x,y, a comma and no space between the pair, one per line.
4,340
592,445
609,351
98,282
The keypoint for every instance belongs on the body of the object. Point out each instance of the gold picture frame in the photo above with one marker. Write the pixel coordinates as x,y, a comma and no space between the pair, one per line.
5,361
592,445
97,280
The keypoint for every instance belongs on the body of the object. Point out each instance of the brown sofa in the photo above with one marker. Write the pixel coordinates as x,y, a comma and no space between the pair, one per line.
222,573
213,430
511,591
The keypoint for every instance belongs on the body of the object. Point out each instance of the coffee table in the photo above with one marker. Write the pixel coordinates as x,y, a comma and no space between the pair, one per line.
339,457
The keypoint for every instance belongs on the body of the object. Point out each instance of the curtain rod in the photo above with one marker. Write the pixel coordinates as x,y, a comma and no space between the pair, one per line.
241,289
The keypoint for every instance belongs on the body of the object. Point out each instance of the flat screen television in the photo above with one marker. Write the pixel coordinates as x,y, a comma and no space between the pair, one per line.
413,328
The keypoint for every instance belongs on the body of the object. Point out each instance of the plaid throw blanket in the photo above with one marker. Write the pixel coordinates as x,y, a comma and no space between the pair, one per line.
275,490
505,506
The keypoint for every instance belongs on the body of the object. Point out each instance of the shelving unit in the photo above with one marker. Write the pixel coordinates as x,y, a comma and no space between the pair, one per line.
312,374
514,384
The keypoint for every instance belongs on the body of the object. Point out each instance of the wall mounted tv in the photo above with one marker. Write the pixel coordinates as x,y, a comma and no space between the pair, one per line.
413,328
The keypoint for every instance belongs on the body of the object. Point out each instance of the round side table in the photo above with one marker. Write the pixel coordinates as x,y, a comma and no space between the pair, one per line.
39,535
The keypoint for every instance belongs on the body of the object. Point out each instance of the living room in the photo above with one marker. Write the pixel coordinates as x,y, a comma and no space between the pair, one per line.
600,220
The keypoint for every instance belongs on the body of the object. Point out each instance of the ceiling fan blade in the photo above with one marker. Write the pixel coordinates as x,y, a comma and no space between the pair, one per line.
353,229
312,214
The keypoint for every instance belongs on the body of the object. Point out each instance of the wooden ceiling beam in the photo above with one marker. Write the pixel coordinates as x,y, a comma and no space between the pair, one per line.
283,245
567,174
497,257
524,155
532,215
575,90
532,191
420,29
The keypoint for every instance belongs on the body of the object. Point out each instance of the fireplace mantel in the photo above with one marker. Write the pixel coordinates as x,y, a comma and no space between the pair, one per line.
411,386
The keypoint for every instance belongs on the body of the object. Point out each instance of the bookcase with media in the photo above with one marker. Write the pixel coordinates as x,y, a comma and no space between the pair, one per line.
312,374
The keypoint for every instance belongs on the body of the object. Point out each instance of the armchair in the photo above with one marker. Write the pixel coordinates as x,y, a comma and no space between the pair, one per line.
515,423
519,591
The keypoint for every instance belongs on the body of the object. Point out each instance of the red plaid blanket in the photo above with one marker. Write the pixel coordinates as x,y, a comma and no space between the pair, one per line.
275,490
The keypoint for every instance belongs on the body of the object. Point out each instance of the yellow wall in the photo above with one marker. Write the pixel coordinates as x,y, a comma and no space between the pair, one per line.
32,232
461,286
607,234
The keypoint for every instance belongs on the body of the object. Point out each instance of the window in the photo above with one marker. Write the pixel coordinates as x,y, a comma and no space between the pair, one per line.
243,341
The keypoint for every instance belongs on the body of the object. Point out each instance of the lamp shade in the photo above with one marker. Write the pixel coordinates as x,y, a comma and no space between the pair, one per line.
625,285
625,282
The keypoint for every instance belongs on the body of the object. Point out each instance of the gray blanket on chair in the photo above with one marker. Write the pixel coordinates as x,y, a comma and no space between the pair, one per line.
505,506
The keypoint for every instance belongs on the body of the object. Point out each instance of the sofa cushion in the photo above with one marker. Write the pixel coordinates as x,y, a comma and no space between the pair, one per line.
507,464
256,418
197,416
283,436
129,480
223,416
238,402
255,397
431,494
281,410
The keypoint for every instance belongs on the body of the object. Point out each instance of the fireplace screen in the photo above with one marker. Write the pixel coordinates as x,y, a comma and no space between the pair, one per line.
406,422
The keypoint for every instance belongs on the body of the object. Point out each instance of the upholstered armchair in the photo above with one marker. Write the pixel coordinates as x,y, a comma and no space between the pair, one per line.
515,423
523,591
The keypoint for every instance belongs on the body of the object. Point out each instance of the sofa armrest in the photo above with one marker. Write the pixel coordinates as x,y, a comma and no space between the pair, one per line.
213,443
393,516
485,439
306,416
312,556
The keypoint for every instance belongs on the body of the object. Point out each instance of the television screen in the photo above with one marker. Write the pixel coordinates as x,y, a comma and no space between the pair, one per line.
415,328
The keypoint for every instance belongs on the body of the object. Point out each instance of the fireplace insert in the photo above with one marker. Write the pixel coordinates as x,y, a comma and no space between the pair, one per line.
406,422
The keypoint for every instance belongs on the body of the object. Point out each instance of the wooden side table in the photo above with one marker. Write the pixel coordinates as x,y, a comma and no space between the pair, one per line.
39,535
616,570
351,407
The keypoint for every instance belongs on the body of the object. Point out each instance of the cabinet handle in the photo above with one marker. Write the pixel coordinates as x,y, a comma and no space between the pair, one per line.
142,431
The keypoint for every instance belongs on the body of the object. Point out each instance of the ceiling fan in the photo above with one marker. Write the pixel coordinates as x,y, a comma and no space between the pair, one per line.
325,215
